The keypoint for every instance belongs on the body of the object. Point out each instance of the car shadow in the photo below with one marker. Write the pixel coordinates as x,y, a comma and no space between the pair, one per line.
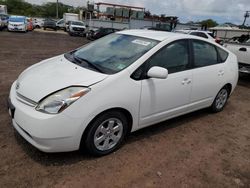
244,80
68,158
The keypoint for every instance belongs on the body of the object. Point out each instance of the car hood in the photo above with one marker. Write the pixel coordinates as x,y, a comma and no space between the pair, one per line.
52,75
17,23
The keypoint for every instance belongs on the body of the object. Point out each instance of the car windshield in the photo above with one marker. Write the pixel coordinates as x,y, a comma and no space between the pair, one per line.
77,23
16,19
114,52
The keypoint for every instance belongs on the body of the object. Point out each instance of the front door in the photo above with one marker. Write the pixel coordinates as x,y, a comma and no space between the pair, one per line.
165,98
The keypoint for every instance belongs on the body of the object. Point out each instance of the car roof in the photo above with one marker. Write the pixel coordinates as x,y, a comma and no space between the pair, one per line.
152,34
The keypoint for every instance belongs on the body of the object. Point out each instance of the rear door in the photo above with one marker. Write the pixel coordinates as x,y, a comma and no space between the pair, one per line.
208,74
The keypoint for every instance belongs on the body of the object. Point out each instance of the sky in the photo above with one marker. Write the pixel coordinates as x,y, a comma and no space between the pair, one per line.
187,10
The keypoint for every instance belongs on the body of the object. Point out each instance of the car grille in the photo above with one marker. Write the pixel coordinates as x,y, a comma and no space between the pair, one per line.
25,100
78,29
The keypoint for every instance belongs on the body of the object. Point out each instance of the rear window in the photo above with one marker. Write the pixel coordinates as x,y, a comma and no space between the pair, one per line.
222,54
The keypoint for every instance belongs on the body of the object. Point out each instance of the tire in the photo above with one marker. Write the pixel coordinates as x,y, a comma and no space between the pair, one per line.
111,128
220,100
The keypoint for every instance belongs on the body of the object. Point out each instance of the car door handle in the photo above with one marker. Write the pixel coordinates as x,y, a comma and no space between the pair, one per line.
243,49
221,73
186,81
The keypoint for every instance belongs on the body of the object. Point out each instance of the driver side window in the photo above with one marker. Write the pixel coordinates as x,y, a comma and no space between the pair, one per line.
174,57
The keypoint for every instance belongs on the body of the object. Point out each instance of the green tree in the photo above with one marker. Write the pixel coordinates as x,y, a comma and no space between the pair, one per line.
20,7
209,23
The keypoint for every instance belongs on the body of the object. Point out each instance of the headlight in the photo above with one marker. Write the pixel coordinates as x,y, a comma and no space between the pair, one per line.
57,102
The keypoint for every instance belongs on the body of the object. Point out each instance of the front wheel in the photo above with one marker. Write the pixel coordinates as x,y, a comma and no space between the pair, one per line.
106,133
220,100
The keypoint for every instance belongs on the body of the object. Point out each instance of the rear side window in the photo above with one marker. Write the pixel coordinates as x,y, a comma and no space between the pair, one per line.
205,54
222,55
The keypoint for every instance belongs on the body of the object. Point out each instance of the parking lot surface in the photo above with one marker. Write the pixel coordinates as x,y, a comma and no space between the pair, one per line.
200,149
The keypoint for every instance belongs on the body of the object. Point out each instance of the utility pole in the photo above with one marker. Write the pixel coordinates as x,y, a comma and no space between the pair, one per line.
246,15
57,9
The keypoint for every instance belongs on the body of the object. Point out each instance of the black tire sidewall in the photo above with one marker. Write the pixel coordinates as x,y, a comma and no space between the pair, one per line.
89,141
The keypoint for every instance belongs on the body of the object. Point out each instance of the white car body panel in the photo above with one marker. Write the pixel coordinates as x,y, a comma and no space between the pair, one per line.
242,51
161,98
148,101
243,56
34,83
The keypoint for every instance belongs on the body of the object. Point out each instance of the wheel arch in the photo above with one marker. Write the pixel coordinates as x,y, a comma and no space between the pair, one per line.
122,110
229,87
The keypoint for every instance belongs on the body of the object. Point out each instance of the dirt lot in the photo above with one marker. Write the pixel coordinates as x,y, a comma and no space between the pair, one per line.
196,150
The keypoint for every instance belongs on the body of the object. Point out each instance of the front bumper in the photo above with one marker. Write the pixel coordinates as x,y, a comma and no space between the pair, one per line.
76,32
48,133
18,28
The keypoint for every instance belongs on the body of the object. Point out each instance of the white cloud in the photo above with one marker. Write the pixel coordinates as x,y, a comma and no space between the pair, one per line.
225,10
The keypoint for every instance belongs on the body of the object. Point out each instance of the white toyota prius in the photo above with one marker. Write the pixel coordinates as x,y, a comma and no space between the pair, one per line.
94,96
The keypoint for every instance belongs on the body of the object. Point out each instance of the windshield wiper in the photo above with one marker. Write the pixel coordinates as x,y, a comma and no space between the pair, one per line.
81,60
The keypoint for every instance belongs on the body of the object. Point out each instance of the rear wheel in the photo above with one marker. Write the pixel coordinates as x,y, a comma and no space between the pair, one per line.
220,100
106,134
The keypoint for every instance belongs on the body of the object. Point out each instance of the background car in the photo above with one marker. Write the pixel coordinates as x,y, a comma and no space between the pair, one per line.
204,34
101,32
3,21
30,26
240,46
60,24
38,23
77,28
49,23
17,23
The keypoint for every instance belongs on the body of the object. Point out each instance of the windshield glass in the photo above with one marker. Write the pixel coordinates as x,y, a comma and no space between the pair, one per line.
16,19
114,52
77,23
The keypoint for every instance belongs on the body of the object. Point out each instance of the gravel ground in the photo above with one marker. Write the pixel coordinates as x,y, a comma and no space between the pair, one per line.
196,150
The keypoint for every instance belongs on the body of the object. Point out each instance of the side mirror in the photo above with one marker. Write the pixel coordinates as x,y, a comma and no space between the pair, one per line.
157,72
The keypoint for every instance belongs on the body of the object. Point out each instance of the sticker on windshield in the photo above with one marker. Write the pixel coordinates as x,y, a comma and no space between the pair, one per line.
121,66
141,42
